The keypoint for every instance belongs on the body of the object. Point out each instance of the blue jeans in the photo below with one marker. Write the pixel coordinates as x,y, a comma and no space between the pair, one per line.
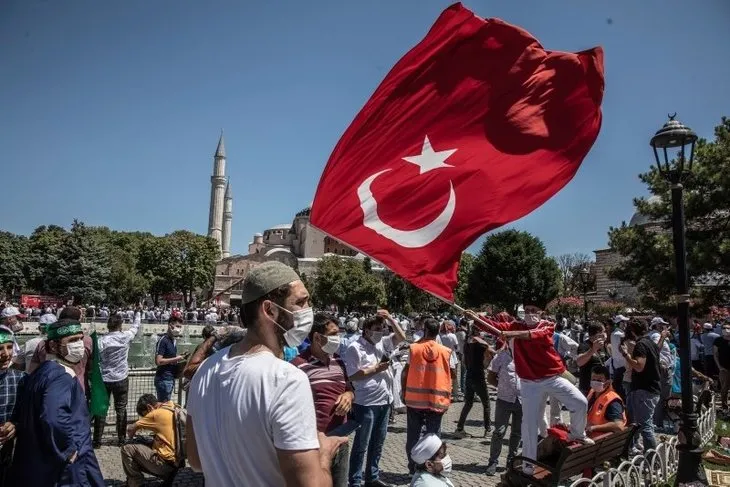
368,439
420,422
164,388
643,403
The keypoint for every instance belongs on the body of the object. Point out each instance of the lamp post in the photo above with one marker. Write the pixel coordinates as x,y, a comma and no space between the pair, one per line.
675,168
584,277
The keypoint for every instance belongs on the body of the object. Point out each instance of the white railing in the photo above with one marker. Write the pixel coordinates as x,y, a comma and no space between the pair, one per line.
654,467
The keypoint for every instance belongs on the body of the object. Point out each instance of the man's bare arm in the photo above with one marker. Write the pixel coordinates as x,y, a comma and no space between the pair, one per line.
198,356
191,447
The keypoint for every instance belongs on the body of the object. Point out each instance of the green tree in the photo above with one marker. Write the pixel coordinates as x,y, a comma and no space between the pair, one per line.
466,267
155,264
84,270
512,269
13,263
648,252
45,257
345,283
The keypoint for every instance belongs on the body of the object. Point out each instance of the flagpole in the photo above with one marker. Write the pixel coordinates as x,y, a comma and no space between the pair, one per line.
489,328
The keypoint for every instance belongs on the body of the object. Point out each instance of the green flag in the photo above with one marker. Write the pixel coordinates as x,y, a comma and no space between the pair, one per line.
99,404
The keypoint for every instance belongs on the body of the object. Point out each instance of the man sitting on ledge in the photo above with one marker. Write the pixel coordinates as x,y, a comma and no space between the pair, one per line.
606,410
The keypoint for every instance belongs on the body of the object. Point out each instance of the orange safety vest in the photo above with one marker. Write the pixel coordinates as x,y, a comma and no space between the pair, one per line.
428,385
597,412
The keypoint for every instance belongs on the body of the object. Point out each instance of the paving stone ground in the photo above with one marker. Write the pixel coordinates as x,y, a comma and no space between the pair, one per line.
469,455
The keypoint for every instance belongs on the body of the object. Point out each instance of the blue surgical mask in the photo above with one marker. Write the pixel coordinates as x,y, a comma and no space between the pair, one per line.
290,353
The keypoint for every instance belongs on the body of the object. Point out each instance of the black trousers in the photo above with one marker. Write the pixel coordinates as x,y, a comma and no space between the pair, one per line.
6,458
120,391
474,387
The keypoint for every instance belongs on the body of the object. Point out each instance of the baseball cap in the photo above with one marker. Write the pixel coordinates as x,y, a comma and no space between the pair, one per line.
707,326
619,318
658,321
266,277
10,311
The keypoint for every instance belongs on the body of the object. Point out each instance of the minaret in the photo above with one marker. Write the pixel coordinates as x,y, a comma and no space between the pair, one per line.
227,217
217,191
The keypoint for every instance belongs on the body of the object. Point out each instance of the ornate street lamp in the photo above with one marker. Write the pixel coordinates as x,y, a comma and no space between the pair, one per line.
584,274
671,145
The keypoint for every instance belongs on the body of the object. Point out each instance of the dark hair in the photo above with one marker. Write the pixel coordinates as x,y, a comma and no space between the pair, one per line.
372,321
601,370
430,328
144,401
114,322
70,313
594,328
250,311
321,320
208,331
637,327
175,318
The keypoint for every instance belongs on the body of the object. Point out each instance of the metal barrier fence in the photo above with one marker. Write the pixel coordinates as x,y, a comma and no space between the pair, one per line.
141,381
654,467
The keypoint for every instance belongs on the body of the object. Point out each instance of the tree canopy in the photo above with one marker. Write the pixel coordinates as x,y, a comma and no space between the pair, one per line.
99,265
347,284
648,251
512,268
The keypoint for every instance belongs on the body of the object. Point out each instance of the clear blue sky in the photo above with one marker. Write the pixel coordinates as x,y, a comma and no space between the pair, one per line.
110,110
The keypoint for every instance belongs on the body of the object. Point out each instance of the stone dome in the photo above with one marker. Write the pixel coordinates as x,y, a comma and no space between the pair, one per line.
639,219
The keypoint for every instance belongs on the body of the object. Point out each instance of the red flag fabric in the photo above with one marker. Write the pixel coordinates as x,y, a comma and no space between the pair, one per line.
475,127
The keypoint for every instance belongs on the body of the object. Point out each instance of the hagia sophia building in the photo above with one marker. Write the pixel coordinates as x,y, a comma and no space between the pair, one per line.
297,244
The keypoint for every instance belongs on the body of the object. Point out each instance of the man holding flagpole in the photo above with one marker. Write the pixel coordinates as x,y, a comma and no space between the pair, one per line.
475,127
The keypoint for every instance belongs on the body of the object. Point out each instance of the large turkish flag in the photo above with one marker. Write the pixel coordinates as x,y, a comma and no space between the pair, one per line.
475,127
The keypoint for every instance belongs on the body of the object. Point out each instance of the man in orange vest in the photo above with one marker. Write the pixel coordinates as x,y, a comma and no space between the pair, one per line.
426,384
606,411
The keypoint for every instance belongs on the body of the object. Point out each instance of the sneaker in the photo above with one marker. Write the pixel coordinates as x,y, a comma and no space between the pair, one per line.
461,434
582,439
491,469
634,452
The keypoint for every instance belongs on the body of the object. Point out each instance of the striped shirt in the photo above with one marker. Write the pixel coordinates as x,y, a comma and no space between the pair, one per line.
328,382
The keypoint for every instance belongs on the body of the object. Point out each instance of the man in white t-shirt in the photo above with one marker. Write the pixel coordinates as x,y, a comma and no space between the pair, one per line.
251,418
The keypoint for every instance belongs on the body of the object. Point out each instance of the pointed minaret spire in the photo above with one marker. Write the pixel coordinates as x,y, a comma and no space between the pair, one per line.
221,150
228,190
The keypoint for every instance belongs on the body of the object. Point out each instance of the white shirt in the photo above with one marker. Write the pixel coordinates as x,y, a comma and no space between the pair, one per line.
508,384
461,339
566,346
618,359
450,340
665,354
114,352
375,389
243,409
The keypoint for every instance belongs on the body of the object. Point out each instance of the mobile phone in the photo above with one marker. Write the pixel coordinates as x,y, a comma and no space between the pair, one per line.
345,429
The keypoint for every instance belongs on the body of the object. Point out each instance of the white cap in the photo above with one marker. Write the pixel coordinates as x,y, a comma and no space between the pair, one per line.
619,318
708,326
426,448
658,321
9,312
47,319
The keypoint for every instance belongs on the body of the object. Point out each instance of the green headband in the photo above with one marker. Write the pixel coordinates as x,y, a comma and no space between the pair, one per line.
69,329
6,337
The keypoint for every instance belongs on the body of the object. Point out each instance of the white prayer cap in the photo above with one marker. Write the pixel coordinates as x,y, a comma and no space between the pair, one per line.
47,319
707,326
426,448
619,318
658,321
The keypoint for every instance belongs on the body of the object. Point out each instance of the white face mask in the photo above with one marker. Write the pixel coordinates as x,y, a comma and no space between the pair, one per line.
597,386
76,352
332,345
446,464
303,320
376,336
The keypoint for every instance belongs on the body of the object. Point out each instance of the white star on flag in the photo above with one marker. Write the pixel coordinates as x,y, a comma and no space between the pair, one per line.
429,160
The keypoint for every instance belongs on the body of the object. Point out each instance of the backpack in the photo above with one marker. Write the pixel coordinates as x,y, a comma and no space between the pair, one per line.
179,420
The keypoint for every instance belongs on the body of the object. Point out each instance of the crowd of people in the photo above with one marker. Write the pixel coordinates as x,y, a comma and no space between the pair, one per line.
290,397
